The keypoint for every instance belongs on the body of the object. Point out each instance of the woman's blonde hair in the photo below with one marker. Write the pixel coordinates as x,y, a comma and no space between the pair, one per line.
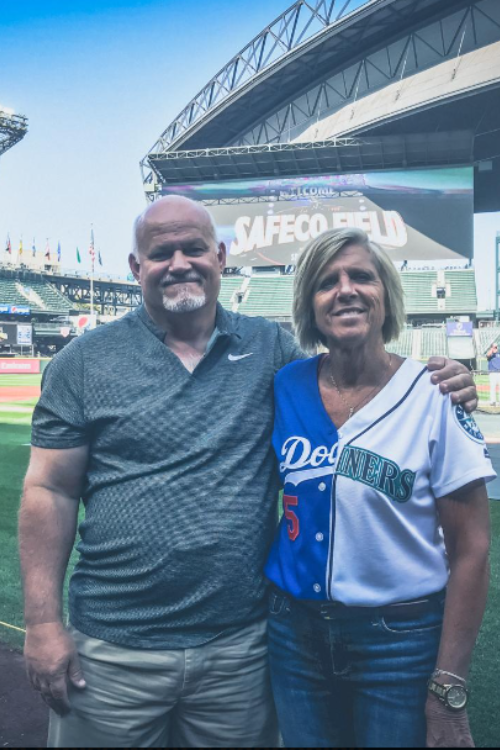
319,253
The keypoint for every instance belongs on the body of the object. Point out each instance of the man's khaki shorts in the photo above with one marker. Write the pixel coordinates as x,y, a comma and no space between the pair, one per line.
215,695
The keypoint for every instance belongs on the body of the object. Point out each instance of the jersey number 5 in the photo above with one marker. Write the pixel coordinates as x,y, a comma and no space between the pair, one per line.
293,521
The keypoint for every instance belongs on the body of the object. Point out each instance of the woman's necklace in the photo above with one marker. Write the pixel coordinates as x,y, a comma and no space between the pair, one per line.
352,408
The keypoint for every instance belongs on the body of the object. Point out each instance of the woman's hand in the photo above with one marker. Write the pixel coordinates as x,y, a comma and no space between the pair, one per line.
446,728
454,378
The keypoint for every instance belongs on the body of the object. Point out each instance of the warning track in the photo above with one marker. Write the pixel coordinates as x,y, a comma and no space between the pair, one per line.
18,393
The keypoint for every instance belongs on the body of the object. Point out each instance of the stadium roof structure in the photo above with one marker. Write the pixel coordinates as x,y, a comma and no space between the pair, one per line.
13,128
418,80
310,158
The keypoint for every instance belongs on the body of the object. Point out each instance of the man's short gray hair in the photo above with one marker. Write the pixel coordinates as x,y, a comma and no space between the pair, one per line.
319,253
139,221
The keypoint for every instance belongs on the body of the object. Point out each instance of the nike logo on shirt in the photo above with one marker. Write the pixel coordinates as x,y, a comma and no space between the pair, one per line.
237,357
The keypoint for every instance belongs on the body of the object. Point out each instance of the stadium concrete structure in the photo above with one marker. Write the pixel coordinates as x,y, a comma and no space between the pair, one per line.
348,86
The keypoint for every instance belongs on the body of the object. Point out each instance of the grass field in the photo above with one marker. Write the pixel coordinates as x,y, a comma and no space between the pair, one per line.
483,387
15,429
14,453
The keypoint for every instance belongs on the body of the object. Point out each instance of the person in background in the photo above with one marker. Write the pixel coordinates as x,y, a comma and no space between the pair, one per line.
374,611
493,357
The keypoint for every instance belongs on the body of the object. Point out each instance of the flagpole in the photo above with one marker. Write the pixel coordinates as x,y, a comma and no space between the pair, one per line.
92,257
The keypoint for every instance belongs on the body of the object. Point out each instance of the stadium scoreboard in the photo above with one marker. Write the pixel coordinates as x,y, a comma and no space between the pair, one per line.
422,215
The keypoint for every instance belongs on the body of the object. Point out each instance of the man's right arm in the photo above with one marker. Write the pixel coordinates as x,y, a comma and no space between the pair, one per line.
47,529
288,349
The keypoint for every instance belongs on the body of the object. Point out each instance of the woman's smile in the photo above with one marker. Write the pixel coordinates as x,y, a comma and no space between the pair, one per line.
349,312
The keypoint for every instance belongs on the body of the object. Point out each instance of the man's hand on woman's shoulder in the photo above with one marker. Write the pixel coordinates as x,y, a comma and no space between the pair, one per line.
455,379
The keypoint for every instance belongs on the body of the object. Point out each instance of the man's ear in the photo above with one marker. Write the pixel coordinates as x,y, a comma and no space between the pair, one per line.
135,266
221,253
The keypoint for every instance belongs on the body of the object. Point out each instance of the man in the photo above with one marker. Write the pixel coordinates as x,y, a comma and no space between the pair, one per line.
493,358
161,422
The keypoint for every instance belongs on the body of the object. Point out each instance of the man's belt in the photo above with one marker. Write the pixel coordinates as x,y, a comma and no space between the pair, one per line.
401,610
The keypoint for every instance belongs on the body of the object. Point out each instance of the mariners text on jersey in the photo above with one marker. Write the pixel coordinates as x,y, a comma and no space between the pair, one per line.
359,513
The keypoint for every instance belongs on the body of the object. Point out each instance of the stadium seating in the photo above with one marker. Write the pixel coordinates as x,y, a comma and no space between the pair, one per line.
229,286
485,337
404,345
10,295
38,295
51,299
417,286
420,287
462,298
433,343
270,297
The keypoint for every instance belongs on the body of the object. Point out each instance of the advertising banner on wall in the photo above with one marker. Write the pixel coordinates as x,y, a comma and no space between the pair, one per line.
24,335
15,310
421,215
20,366
460,328
83,323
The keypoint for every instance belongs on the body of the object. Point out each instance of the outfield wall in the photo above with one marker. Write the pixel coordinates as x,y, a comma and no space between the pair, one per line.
22,365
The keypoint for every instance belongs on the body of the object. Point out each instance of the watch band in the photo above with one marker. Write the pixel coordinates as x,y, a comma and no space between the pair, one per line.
447,694
439,672
438,689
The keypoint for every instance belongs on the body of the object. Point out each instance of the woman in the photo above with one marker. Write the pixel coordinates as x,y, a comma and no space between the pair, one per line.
374,461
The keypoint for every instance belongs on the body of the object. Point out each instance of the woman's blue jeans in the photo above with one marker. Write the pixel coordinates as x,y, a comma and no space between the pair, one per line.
356,682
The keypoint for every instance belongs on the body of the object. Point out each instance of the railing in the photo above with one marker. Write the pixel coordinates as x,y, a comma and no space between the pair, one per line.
303,20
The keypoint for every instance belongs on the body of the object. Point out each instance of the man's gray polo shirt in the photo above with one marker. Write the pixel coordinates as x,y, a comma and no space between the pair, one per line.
181,486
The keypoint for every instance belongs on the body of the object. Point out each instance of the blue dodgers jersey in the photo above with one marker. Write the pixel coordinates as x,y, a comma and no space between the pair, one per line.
306,466
360,523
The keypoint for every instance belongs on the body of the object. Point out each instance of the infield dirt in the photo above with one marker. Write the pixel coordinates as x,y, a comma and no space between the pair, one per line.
23,715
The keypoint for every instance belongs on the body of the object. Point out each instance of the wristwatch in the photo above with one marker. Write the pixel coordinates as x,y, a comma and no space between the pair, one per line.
454,697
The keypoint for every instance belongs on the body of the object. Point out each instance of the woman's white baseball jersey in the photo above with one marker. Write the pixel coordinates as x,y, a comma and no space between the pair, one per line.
360,522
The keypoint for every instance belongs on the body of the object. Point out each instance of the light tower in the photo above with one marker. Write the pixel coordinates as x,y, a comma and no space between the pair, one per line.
12,128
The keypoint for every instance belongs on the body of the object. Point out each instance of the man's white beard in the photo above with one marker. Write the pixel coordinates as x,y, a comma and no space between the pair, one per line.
184,302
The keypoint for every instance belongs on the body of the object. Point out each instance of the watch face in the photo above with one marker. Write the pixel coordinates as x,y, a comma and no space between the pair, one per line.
456,697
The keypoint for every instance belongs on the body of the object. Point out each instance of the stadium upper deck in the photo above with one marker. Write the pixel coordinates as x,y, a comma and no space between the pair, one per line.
348,86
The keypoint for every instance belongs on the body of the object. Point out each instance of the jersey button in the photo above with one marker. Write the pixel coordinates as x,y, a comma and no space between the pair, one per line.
322,487
319,537
317,588
341,435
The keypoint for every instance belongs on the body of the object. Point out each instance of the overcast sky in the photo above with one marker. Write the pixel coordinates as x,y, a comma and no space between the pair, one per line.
99,82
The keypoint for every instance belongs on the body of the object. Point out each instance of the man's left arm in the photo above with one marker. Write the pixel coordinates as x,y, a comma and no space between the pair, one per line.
455,379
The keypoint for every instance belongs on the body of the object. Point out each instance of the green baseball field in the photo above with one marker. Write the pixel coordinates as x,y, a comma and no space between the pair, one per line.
18,395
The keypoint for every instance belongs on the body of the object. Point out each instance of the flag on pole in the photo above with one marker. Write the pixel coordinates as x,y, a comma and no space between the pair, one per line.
92,248
20,251
58,252
78,258
8,248
99,257
33,249
47,251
